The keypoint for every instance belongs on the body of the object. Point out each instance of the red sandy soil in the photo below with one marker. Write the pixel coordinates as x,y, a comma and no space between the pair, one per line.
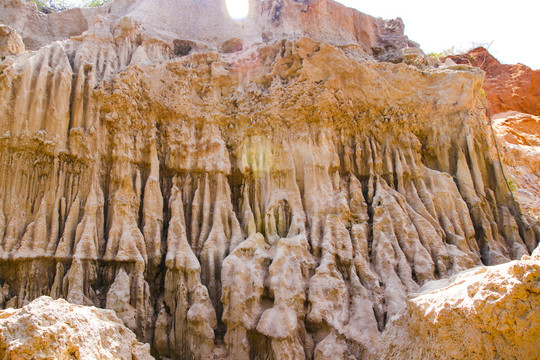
508,87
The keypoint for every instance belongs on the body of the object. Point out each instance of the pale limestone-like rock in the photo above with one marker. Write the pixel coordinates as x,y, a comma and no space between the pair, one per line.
56,329
209,25
118,299
518,135
10,42
243,275
484,313
191,318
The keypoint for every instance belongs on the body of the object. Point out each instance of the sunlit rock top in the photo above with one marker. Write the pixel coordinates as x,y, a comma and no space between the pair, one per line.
207,23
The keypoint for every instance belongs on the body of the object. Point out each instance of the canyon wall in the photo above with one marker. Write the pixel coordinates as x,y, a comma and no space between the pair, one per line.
270,188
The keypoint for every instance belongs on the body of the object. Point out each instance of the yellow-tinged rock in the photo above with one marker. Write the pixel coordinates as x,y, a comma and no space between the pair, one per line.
56,329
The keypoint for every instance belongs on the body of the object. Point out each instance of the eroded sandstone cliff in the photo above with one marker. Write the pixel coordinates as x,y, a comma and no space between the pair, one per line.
271,188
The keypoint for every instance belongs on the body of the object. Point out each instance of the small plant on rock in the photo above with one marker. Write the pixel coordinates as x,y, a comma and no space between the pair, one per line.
48,6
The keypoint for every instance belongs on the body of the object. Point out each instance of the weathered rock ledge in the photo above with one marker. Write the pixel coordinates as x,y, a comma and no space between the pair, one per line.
485,313
56,329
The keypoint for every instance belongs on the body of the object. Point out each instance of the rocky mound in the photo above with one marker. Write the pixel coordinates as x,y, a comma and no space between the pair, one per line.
273,188
486,313
519,129
508,87
56,329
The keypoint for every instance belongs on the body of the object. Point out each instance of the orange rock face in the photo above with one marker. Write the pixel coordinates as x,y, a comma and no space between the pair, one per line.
518,128
508,87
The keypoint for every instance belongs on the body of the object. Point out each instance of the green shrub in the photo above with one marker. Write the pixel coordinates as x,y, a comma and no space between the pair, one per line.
94,3
512,185
48,6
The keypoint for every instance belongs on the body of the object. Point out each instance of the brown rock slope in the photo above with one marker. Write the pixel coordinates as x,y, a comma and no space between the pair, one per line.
265,189
486,313
56,329
508,87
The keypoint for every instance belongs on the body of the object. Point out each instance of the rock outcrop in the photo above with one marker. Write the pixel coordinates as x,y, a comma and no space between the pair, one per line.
10,43
518,136
270,188
508,87
485,313
56,329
